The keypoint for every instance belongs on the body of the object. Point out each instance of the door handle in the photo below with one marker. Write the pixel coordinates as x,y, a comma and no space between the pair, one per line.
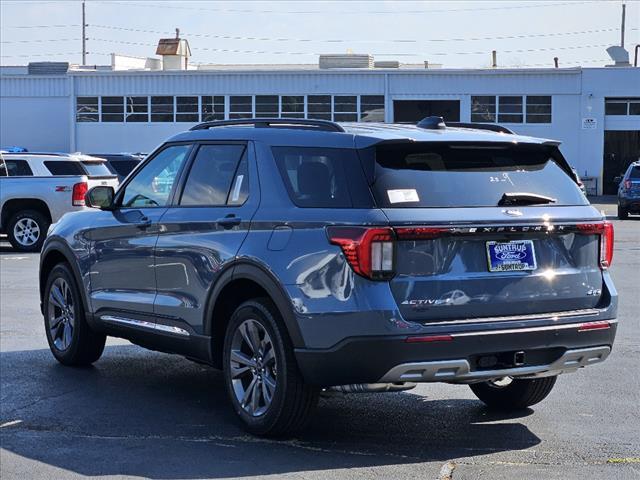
229,221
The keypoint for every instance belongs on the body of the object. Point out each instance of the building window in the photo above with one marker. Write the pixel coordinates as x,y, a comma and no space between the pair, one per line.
137,109
87,109
483,108
240,106
510,109
622,106
372,108
319,107
538,109
267,106
212,108
292,106
345,108
112,109
162,109
187,109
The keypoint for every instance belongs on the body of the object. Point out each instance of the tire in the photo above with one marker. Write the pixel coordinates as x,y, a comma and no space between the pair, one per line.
518,394
27,230
275,375
71,340
623,214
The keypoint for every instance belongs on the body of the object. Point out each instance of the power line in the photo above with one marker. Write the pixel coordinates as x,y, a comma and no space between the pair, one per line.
42,41
282,39
43,26
368,12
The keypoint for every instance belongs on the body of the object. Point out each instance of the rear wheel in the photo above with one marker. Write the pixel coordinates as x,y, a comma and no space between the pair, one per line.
27,230
513,394
623,213
70,338
261,375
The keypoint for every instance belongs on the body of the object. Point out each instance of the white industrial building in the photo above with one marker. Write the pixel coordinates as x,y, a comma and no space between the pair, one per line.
134,104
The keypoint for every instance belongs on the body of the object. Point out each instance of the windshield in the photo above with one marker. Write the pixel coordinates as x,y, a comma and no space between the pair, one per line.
467,175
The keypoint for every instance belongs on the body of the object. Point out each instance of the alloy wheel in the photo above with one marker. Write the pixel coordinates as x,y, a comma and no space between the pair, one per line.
253,367
60,314
26,231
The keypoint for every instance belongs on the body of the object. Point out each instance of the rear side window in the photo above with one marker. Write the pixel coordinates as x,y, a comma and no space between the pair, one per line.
97,169
322,177
466,175
215,179
18,168
62,167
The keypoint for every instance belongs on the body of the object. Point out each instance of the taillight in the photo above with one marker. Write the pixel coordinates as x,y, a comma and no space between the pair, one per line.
369,251
605,230
627,184
79,191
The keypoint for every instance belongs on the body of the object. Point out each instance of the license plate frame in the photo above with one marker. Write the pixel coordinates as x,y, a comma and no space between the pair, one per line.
511,256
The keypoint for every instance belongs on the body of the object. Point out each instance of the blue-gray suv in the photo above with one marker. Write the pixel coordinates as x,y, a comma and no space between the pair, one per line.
629,191
305,255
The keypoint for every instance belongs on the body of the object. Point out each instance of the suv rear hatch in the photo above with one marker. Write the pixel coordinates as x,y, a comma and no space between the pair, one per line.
486,230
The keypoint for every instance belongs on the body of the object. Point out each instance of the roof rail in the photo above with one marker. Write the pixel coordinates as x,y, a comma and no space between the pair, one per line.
494,127
268,122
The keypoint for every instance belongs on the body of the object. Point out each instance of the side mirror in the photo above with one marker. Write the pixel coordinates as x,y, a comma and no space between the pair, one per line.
617,179
100,197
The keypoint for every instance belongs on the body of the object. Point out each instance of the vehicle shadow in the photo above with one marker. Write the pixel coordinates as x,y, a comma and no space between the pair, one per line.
147,414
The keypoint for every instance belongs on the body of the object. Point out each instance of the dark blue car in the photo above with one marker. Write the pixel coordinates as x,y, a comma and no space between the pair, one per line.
629,191
301,255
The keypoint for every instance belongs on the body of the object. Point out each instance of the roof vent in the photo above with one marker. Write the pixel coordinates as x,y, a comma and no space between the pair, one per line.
619,55
175,52
346,61
432,123
47,68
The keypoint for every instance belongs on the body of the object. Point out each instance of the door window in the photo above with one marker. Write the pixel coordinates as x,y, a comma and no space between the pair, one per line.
18,168
152,185
218,177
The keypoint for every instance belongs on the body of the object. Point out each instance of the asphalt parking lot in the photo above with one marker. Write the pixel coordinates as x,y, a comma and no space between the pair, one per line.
138,413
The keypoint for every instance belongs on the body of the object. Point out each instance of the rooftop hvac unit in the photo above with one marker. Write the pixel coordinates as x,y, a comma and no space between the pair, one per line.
346,61
387,64
47,68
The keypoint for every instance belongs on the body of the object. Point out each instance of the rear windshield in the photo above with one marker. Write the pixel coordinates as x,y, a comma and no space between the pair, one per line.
635,173
123,167
466,175
63,167
97,169
323,177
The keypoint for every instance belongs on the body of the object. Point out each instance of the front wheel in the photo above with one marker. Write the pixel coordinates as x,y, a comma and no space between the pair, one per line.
512,393
623,214
262,378
70,338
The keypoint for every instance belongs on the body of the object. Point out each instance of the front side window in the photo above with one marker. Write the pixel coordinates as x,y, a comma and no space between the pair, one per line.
18,168
3,168
215,179
153,183
87,109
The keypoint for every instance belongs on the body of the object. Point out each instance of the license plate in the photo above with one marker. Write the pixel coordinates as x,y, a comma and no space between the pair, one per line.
514,256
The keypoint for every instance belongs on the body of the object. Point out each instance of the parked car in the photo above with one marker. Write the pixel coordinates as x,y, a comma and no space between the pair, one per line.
305,254
36,189
629,191
122,164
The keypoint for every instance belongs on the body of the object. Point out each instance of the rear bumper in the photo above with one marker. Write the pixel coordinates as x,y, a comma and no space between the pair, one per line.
631,204
461,357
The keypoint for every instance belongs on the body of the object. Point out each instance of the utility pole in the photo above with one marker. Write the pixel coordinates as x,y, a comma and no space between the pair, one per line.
624,7
84,37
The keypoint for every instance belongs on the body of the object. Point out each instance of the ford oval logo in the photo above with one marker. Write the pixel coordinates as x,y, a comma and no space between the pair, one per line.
511,251
512,212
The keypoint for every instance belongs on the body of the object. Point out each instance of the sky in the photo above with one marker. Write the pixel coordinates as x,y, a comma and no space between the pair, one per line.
457,34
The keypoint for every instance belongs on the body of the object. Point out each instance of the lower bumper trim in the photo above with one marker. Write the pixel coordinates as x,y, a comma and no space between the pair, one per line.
459,371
